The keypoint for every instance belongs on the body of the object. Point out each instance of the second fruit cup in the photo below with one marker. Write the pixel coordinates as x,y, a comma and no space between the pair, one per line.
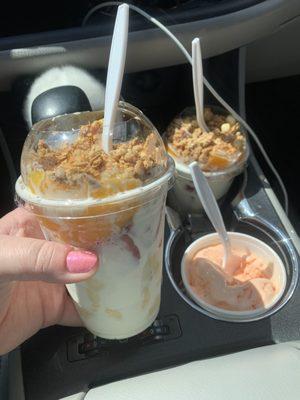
183,196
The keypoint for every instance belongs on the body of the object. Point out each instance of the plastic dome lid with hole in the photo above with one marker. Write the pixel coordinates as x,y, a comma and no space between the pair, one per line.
62,158
221,151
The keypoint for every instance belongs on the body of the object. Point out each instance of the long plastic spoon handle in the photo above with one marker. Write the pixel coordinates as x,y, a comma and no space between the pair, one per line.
198,83
210,206
115,75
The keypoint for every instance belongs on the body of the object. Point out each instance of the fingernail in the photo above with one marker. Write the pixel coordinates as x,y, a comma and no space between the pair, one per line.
81,261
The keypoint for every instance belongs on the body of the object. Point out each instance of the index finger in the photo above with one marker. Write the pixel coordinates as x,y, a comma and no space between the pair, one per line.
20,222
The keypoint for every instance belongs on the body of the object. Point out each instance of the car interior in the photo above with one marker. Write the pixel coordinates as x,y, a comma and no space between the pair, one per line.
251,66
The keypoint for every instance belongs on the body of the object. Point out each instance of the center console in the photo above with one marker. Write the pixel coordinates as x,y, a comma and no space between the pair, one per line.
59,361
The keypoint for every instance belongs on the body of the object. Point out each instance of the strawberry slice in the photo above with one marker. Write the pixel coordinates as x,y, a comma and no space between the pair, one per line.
131,246
189,188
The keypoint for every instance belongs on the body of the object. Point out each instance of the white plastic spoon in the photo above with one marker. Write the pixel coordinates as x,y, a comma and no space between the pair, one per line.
210,205
115,75
198,83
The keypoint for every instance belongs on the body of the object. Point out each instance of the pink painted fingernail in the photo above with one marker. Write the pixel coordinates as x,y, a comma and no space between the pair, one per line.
81,261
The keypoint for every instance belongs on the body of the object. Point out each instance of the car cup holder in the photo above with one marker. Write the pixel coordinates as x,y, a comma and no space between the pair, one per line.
239,216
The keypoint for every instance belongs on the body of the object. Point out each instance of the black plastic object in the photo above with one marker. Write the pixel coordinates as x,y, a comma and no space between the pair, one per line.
58,101
86,345
4,377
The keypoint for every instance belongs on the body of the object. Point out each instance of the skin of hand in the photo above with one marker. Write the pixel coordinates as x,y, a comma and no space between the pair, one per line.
33,273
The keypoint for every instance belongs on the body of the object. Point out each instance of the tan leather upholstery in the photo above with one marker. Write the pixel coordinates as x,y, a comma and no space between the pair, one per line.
265,373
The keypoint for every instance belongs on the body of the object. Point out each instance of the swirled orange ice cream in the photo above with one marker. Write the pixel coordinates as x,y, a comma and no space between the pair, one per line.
253,285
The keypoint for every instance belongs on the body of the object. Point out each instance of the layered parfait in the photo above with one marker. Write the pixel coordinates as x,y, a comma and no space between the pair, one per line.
221,153
110,203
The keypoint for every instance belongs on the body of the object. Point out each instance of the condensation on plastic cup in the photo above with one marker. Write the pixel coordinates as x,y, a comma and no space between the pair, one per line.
254,244
183,196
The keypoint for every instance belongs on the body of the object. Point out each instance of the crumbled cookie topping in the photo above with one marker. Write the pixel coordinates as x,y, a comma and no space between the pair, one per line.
223,145
74,164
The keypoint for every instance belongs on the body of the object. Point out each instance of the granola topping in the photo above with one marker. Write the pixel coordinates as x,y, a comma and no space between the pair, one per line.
84,166
217,149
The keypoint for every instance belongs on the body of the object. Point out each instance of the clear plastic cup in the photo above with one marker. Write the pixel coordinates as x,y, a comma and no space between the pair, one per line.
125,229
183,196
243,241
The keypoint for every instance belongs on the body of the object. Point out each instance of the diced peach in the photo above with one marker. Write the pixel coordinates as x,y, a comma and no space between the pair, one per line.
170,150
115,185
88,231
35,180
94,223
217,162
49,224
131,246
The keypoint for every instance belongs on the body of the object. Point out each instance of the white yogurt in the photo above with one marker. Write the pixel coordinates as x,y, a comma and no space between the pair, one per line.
123,297
183,196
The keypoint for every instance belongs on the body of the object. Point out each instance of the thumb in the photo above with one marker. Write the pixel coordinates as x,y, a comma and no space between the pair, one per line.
34,259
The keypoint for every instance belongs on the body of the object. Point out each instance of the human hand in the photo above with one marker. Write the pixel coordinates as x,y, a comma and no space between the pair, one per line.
33,272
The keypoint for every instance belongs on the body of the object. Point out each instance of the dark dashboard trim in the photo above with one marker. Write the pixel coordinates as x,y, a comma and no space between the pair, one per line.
171,17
